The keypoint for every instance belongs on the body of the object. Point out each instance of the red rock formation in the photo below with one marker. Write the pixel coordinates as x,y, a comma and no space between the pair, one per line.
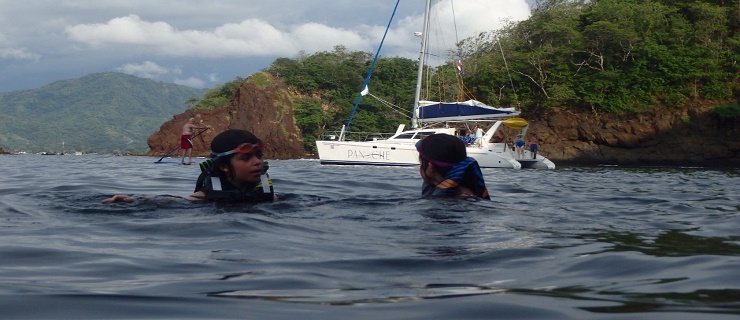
686,136
260,105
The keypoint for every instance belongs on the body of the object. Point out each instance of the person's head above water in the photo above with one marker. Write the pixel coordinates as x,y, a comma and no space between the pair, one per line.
235,172
234,141
447,170
442,150
237,153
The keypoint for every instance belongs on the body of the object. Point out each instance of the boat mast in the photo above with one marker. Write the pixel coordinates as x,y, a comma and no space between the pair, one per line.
422,56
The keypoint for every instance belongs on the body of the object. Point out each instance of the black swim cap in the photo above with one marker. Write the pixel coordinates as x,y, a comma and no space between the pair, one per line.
444,147
230,139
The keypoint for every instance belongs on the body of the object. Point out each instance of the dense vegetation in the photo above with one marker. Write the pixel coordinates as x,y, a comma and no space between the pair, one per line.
102,112
216,97
330,82
612,55
595,56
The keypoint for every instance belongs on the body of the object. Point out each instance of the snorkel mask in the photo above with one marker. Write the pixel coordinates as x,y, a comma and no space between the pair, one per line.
243,149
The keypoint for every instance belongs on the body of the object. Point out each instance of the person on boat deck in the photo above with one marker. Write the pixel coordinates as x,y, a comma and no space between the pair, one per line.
510,144
533,145
447,170
519,146
479,136
236,172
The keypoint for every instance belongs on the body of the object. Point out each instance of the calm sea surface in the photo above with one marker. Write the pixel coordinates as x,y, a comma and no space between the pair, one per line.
358,243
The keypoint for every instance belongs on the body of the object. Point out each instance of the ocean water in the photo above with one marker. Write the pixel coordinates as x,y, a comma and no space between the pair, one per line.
350,242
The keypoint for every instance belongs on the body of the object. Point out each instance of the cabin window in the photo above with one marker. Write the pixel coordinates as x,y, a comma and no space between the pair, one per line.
424,134
405,136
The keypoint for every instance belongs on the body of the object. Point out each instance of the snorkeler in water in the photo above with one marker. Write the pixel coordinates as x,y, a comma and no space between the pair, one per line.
447,170
236,172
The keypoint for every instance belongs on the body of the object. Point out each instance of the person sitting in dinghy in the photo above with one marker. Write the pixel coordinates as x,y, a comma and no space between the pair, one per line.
447,170
236,172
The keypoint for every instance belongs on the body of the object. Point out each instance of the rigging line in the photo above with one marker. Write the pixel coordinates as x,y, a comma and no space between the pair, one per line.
516,97
464,92
391,106
437,45
372,66
454,22
438,78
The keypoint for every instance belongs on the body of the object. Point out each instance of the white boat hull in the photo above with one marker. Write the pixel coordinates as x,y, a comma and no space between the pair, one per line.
367,153
381,153
400,150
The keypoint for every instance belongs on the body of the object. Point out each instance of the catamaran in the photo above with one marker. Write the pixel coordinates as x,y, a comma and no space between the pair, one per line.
431,117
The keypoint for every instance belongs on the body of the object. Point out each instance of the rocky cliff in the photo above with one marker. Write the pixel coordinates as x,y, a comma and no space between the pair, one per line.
261,105
687,136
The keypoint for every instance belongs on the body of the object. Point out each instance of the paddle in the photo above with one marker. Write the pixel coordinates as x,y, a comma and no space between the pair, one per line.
178,146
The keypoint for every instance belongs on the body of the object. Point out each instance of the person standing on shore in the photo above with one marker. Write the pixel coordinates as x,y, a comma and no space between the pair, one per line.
186,144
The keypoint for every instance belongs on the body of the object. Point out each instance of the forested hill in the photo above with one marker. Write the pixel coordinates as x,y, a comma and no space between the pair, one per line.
101,112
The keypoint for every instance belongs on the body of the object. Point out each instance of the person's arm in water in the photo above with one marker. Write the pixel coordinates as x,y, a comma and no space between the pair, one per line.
119,198
130,199
195,196
201,195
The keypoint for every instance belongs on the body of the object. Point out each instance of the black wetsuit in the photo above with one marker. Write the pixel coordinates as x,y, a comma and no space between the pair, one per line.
218,189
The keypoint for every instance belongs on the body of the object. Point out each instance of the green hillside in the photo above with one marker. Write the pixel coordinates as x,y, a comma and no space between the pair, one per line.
101,112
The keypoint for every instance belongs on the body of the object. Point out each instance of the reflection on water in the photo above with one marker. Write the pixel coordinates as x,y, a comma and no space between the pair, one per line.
359,296
672,243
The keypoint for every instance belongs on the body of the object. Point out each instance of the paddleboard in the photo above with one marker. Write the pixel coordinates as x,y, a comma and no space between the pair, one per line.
169,162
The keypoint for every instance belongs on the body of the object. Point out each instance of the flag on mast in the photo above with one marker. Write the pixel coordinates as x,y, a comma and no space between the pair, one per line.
459,66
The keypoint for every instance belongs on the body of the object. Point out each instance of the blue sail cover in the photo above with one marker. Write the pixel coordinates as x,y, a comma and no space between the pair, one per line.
466,110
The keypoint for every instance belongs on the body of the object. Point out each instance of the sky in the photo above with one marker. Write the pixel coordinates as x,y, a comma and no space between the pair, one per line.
203,43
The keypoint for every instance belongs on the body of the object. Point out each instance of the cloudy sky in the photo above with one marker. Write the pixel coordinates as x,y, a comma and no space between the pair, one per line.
201,43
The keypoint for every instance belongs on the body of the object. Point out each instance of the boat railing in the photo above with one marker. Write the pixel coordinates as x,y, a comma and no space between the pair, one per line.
354,136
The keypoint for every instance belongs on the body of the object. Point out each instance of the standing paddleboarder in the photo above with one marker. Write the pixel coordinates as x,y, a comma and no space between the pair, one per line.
186,144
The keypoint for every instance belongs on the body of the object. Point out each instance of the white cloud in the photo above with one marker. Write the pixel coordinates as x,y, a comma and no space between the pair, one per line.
152,70
252,37
470,18
190,82
18,53
313,37
146,69
9,51
126,30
